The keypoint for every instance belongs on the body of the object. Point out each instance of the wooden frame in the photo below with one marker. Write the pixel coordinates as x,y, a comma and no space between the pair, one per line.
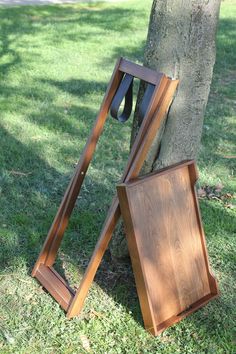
43,270
167,245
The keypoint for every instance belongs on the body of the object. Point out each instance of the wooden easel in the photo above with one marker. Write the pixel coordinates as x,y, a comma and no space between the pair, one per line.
163,91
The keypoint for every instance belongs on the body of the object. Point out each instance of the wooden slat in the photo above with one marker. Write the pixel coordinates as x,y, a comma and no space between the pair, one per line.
55,285
141,72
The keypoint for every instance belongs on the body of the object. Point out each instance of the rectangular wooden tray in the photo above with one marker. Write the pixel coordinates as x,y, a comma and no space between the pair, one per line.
167,245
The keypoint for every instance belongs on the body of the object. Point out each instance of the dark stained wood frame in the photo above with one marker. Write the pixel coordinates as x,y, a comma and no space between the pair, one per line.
43,270
144,246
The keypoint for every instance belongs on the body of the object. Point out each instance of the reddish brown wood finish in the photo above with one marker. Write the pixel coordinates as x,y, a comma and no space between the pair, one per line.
156,110
52,243
167,245
55,285
137,157
142,73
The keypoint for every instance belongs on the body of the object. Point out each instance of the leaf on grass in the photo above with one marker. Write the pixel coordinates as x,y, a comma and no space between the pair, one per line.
215,193
214,197
201,193
8,338
230,206
85,342
219,187
95,313
230,157
19,173
24,281
227,196
29,297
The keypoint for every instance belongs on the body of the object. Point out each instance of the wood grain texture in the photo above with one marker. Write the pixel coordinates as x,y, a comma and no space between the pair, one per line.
156,110
52,243
166,243
141,72
137,156
55,285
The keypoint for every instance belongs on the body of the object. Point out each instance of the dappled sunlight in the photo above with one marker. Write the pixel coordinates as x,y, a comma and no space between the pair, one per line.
55,64
218,140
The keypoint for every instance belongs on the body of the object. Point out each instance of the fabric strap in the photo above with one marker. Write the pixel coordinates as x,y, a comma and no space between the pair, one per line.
145,101
125,91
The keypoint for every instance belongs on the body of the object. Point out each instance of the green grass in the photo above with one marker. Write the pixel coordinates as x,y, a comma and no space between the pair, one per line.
55,62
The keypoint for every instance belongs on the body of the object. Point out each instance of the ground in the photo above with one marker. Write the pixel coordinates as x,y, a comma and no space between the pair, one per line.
55,62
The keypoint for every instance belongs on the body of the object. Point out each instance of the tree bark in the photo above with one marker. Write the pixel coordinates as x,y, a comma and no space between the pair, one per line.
180,43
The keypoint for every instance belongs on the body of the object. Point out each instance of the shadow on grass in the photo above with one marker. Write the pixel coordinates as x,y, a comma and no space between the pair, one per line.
78,87
225,46
26,182
30,201
117,281
219,135
19,21
134,53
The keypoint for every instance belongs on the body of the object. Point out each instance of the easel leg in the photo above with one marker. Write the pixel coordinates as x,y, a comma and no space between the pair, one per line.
52,243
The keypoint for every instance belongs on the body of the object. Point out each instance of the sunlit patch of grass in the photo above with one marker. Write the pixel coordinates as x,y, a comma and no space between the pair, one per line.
55,63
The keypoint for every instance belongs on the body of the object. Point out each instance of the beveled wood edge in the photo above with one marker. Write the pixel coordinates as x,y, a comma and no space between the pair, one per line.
62,292
167,98
153,106
122,191
193,175
139,71
211,278
157,330
139,274
154,174
113,215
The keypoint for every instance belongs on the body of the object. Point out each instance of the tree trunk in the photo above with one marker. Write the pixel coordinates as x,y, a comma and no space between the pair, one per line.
180,43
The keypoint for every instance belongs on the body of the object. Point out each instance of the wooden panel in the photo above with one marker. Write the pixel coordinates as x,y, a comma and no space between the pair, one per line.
55,285
165,240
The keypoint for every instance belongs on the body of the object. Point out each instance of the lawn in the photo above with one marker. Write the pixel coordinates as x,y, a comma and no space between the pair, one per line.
55,62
